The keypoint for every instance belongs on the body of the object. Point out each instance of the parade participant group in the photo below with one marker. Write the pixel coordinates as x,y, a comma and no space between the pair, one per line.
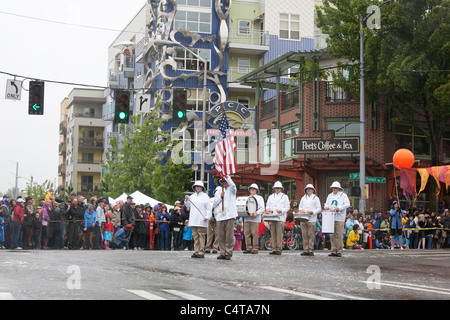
206,225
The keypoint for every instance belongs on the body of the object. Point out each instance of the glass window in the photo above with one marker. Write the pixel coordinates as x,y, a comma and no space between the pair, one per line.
345,128
244,27
193,21
412,138
289,26
187,61
289,132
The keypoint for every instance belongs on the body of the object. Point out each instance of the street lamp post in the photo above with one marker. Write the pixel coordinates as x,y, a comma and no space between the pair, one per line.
205,84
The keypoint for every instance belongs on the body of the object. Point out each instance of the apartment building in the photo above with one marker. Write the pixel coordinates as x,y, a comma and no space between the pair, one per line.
82,141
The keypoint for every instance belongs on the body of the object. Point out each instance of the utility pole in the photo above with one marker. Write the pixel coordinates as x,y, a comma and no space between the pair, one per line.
16,188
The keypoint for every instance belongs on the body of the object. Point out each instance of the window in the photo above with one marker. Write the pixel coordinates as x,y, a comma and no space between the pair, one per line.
244,27
195,3
195,99
245,101
194,21
87,157
345,128
187,61
412,138
87,183
269,146
289,132
290,26
243,65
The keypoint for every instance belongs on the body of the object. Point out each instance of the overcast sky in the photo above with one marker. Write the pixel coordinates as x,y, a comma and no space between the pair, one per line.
49,51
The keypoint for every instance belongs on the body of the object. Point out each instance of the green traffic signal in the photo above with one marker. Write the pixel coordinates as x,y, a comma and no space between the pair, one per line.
181,114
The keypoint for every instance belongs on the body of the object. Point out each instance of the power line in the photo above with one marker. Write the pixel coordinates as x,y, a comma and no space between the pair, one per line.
64,23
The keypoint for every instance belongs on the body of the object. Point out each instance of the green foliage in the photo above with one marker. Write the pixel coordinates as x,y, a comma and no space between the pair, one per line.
139,162
406,60
36,191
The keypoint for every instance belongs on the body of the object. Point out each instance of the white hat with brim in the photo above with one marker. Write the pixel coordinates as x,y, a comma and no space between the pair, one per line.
198,184
337,185
310,186
254,186
278,185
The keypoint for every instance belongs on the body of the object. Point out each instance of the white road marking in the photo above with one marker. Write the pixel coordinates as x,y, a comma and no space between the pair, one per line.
301,294
183,295
6,296
411,287
146,295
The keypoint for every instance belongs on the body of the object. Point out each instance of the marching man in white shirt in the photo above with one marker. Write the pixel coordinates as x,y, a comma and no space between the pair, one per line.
277,203
251,223
200,213
225,202
338,202
309,204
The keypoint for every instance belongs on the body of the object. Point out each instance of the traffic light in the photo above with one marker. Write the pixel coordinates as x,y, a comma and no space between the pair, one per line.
179,105
36,98
122,106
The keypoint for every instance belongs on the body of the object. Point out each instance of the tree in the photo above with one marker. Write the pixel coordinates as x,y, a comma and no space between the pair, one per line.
407,60
36,191
139,162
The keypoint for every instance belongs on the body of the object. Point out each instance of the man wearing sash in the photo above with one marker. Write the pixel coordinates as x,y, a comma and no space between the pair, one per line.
278,203
337,201
200,213
251,223
309,204
225,202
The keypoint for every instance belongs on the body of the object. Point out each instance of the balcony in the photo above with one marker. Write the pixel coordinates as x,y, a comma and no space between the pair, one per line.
247,41
61,170
113,79
62,127
127,65
337,94
62,148
234,73
141,49
91,143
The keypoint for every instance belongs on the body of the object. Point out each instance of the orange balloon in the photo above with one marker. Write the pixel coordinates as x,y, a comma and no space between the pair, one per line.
403,158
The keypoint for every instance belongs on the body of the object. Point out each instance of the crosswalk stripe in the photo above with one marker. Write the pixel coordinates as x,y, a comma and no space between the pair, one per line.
305,295
6,296
410,287
146,295
184,295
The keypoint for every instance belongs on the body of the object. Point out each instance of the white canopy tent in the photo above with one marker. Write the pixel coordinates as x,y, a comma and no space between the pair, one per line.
140,198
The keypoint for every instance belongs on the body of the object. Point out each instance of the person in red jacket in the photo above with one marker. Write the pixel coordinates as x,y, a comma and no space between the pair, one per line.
16,225
108,230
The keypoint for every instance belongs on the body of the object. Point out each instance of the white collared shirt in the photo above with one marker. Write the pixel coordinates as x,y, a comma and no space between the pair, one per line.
310,203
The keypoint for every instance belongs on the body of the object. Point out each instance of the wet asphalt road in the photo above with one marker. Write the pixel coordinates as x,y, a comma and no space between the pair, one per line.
174,275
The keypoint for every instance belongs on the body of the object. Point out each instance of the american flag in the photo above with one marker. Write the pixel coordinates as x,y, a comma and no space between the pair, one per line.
224,160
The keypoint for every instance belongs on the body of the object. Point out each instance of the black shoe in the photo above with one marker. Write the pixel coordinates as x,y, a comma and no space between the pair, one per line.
332,254
278,253
207,251
194,255
338,255
305,254
214,251
227,257
246,251
221,257
273,252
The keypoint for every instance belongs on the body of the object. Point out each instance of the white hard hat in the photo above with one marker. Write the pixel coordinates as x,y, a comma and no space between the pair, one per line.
254,186
278,185
336,184
198,183
310,186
